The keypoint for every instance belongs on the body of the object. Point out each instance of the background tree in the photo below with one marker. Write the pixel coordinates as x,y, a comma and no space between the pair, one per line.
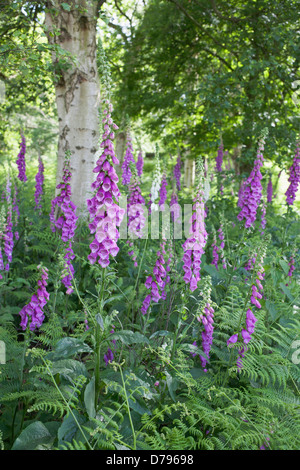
68,60
193,70
72,26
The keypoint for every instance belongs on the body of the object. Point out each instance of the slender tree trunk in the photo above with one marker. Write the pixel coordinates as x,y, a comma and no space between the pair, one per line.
120,149
77,90
189,172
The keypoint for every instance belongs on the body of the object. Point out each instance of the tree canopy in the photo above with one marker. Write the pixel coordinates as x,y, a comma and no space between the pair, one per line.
193,70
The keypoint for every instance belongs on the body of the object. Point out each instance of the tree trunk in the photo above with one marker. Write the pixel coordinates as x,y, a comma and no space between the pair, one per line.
189,172
120,149
77,91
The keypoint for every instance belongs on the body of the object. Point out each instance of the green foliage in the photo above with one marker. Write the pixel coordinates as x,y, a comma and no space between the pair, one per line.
98,374
193,70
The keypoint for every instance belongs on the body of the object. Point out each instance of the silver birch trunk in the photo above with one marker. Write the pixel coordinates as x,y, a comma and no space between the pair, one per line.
189,172
77,91
120,149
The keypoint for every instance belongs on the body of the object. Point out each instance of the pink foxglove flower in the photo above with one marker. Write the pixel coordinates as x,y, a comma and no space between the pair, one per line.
105,213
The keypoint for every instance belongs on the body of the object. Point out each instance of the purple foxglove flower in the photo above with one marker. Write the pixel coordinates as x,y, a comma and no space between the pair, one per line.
33,311
39,178
294,178
66,222
15,209
252,191
263,221
246,336
109,356
6,229
241,194
21,160
219,158
232,340
250,317
207,334
159,279
270,191
175,207
194,246
292,264
215,249
140,164
126,175
177,172
105,213
156,183
135,210
163,191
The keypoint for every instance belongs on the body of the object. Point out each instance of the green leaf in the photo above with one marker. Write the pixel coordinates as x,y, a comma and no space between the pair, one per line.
36,434
287,291
69,369
139,407
191,348
99,320
129,337
172,384
161,333
66,6
69,427
212,271
284,266
68,347
120,446
271,307
89,398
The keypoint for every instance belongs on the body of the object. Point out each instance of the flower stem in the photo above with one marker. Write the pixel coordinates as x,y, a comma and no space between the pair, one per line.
98,343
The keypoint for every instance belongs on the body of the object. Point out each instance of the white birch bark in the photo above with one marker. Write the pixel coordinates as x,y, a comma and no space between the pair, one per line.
189,172
120,149
77,92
